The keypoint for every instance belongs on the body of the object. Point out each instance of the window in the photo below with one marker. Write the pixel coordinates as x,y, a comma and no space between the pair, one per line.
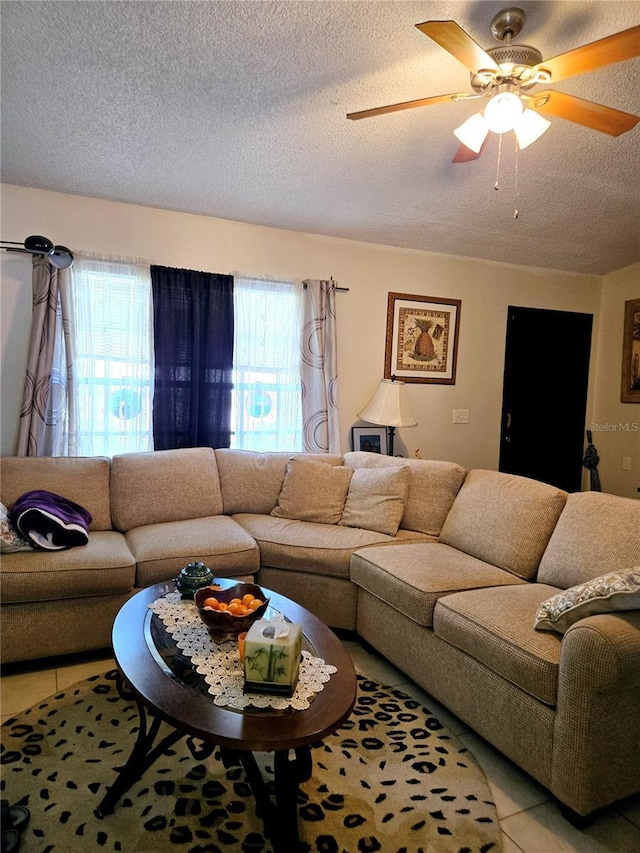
114,356
113,309
266,406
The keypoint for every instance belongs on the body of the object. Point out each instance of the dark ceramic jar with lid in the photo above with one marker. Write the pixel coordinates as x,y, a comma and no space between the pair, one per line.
192,577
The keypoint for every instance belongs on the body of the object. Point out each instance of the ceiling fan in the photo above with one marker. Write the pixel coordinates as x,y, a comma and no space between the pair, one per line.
506,76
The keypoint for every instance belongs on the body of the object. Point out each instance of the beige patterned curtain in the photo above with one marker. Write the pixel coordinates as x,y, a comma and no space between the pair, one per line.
319,373
47,417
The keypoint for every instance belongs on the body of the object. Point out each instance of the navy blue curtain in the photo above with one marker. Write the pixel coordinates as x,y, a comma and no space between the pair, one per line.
193,340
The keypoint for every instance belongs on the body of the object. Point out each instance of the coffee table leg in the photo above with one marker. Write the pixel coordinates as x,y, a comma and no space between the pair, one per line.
142,757
288,774
280,818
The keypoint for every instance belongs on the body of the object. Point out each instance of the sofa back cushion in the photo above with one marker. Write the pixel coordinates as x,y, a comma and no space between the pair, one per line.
504,519
433,486
596,533
251,481
84,480
164,485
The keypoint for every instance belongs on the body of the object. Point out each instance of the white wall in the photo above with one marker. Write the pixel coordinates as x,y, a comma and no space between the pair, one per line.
616,425
369,271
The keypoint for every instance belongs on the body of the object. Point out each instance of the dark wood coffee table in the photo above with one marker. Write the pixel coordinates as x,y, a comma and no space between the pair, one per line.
167,688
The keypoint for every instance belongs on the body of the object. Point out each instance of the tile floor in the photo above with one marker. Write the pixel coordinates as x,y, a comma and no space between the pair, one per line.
529,818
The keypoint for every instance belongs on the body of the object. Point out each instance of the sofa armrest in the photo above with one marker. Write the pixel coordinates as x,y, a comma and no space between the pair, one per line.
596,749
602,653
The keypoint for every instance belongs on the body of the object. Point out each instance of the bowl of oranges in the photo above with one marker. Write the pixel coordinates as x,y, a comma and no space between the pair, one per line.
229,612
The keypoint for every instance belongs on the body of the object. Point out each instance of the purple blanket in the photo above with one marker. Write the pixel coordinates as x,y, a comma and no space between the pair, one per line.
49,521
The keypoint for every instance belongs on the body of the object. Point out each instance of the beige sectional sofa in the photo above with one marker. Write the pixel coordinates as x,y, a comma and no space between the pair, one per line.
440,569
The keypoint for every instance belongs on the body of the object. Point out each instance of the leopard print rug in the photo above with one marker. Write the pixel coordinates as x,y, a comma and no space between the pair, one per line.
392,779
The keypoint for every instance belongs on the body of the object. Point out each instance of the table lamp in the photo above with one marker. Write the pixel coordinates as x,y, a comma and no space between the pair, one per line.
389,407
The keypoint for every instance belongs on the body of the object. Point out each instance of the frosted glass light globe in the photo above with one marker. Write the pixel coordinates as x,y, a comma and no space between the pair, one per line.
473,132
503,111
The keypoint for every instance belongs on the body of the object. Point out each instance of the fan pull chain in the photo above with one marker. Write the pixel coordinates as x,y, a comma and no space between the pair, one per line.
496,186
516,212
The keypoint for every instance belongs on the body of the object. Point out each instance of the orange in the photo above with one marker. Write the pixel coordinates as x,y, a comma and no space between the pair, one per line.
247,599
255,604
235,601
237,609
211,602
222,606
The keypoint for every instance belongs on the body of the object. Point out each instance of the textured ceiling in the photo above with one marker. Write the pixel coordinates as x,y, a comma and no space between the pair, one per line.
237,110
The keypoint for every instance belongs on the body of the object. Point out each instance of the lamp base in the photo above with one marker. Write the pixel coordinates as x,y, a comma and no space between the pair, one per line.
392,432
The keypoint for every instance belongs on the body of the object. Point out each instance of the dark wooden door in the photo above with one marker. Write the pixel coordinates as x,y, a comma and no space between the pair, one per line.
545,395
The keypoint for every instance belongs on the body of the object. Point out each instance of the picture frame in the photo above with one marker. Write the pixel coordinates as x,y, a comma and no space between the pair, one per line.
370,438
630,385
422,338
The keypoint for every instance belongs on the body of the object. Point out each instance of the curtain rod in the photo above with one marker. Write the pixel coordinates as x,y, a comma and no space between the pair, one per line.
338,289
254,277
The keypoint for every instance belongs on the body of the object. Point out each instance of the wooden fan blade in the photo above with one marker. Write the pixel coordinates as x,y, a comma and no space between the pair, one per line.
406,105
454,39
596,116
589,57
466,155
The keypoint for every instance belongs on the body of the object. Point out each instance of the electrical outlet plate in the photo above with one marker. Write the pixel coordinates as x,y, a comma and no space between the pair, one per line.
461,416
626,463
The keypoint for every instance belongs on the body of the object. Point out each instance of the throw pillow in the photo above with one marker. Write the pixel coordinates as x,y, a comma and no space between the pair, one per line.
605,594
313,491
10,539
376,499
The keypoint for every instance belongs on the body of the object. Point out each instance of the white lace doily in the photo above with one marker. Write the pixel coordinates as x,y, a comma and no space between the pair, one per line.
219,663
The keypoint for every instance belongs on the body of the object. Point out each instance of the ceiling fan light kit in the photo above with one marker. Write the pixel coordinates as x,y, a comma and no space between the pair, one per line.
506,74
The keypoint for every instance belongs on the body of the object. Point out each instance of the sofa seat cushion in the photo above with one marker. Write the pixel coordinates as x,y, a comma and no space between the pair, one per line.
412,577
305,546
504,519
495,626
104,566
161,550
597,533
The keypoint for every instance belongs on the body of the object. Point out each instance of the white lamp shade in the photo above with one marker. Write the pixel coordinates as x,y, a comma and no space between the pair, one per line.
473,132
529,127
503,111
389,406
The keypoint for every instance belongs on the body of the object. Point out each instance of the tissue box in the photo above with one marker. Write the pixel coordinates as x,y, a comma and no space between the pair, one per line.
272,657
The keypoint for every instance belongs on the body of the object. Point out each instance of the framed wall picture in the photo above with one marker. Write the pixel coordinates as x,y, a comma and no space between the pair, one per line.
630,390
422,338
371,438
